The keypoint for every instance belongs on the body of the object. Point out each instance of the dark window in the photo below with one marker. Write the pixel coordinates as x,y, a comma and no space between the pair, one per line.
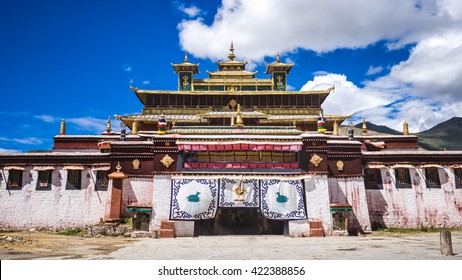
373,179
102,179
73,179
44,180
403,178
15,179
458,177
432,178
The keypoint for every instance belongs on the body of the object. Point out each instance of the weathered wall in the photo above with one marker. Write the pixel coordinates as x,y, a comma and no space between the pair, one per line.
136,191
351,190
317,206
57,208
160,201
418,206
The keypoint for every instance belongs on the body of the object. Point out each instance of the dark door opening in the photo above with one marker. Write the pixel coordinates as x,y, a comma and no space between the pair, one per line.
240,221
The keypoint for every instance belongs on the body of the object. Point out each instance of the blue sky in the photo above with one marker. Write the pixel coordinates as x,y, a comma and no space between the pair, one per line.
390,60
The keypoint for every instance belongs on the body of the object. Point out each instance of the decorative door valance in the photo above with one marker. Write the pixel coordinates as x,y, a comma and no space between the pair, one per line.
239,192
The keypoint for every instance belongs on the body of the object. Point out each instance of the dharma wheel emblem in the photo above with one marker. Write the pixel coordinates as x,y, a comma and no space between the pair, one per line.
167,161
316,160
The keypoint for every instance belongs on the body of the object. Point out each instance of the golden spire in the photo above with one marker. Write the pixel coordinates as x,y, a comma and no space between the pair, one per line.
231,55
239,121
405,128
135,127
278,59
186,59
364,128
108,126
335,132
62,128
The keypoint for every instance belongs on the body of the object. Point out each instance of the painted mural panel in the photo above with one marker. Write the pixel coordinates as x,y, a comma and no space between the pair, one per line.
239,193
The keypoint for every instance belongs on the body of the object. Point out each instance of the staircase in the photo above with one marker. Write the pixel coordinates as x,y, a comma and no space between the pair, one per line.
316,229
166,229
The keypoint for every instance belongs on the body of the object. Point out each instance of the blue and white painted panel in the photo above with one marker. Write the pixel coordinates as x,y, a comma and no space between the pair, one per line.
282,199
194,199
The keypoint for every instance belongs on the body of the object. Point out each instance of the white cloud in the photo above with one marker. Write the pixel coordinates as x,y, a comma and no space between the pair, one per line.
373,70
146,82
320,26
89,124
46,118
25,141
321,73
9,151
128,68
191,11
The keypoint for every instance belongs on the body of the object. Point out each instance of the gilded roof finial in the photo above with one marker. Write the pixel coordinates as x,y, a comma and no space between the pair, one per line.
364,128
118,167
335,132
405,128
108,126
231,55
186,59
62,128
239,121
278,59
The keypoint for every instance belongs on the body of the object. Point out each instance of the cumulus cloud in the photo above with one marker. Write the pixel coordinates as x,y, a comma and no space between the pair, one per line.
25,141
321,26
46,118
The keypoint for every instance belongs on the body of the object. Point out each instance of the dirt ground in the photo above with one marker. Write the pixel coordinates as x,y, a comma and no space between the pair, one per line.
46,245
379,245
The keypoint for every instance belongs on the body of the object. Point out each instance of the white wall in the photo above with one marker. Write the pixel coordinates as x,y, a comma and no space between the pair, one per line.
57,208
351,190
418,206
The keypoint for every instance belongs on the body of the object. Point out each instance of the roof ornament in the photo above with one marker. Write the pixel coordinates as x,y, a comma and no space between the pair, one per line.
364,128
108,125
231,55
239,121
186,59
62,128
278,59
405,128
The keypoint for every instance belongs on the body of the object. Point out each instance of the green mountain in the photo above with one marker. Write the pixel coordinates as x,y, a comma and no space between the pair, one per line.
444,136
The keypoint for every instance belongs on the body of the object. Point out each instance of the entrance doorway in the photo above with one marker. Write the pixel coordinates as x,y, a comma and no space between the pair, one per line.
239,221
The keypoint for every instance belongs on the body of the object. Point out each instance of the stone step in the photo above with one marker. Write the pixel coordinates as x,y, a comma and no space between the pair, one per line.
166,233
167,224
316,233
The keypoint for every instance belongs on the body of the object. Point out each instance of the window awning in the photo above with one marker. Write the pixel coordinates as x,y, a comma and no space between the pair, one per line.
14,168
340,207
377,166
431,165
456,166
101,168
403,166
74,167
239,146
139,209
43,168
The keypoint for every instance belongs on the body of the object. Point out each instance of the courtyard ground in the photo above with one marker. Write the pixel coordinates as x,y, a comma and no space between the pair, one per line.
380,245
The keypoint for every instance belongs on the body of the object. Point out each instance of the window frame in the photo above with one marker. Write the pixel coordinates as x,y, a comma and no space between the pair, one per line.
49,180
20,177
369,185
432,185
458,178
97,184
78,184
408,178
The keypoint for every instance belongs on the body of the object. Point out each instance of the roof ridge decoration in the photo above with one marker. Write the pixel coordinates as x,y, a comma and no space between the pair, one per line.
231,55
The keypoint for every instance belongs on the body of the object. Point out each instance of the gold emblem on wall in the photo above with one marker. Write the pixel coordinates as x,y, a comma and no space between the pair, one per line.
167,161
316,160
136,164
340,165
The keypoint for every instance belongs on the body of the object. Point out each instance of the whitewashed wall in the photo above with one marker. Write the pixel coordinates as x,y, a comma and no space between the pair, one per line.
418,206
160,201
57,208
136,191
317,206
351,190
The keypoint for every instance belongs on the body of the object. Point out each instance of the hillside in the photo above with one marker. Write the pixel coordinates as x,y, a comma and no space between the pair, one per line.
444,136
